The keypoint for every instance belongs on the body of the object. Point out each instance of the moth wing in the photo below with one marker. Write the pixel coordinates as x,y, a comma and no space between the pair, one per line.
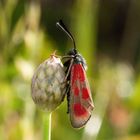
81,104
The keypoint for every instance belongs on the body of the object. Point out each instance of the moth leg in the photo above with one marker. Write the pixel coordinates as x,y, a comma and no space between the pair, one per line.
65,83
67,56
67,80
68,98
68,72
67,92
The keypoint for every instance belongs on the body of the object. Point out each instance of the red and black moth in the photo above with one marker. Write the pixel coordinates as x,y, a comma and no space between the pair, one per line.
80,104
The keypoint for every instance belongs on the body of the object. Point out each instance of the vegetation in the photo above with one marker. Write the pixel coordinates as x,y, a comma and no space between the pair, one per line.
107,35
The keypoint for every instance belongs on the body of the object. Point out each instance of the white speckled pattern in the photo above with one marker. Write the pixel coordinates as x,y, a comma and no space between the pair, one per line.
48,85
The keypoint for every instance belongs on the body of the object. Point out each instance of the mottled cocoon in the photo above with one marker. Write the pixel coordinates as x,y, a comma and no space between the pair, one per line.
48,85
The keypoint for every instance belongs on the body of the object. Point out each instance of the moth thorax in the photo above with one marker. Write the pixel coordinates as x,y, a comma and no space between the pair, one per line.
48,85
79,59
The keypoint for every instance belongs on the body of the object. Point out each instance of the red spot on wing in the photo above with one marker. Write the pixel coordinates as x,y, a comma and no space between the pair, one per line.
77,73
81,104
76,91
79,110
82,74
85,93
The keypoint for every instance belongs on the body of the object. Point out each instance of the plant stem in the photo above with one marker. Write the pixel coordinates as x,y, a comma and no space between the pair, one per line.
47,126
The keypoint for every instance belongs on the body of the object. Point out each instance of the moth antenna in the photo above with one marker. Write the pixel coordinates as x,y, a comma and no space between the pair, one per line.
62,26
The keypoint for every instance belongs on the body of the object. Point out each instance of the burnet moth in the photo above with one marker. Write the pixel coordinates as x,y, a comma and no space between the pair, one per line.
80,104
48,86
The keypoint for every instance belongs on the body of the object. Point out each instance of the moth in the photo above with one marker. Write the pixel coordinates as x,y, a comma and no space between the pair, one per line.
80,103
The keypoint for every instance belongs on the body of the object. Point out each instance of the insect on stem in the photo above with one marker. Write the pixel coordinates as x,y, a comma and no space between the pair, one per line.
61,25
80,104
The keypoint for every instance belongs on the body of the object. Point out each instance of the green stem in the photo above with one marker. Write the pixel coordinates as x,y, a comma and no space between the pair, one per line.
47,126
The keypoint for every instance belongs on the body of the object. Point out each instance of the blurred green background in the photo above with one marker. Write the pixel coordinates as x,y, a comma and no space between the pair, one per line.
107,34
